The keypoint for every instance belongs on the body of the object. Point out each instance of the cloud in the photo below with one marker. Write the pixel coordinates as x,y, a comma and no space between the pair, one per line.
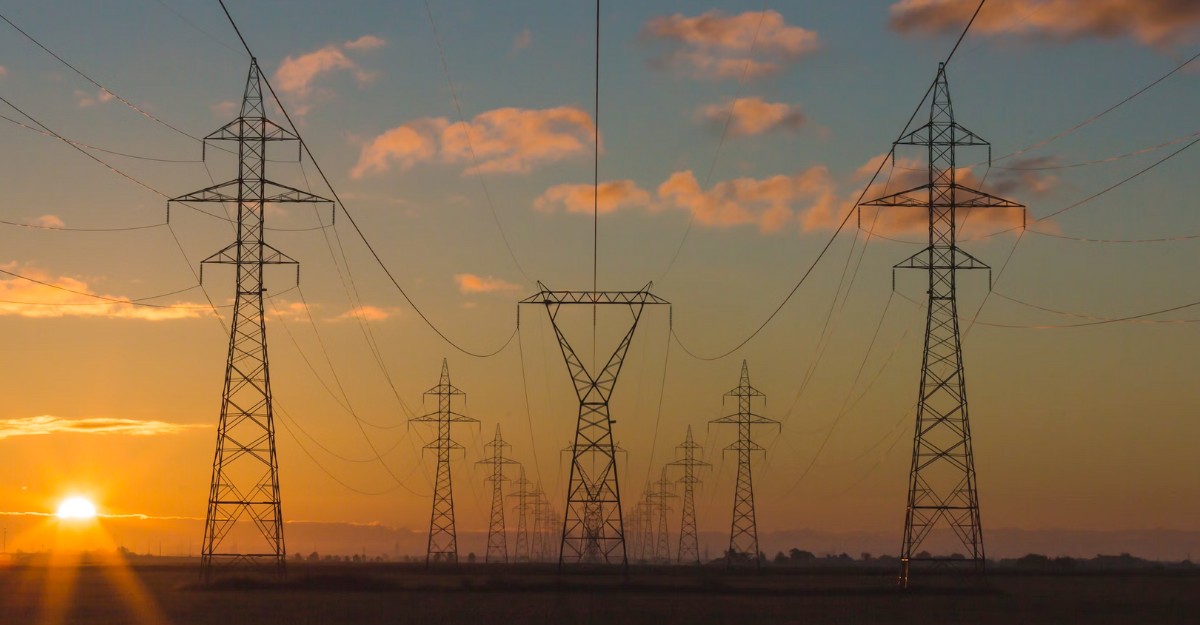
366,42
505,140
29,299
84,99
297,75
469,283
522,40
46,424
288,311
368,313
49,221
751,116
1158,23
772,204
224,108
579,198
3,71
717,46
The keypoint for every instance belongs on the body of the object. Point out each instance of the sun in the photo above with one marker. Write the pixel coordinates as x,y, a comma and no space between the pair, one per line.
76,508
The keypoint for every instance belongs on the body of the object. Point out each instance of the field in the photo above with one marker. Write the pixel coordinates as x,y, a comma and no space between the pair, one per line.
389,593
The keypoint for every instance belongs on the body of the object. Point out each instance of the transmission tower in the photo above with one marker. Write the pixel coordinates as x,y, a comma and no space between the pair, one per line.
689,542
743,534
662,492
941,486
540,550
443,545
497,548
523,491
593,529
245,475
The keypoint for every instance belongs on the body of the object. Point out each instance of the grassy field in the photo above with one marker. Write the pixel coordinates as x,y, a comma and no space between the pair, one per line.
478,595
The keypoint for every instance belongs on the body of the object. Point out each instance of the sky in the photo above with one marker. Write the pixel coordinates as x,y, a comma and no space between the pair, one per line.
460,134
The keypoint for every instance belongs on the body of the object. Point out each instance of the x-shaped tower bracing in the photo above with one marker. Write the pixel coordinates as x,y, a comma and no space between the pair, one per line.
942,475
689,540
245,474
593,529
497,547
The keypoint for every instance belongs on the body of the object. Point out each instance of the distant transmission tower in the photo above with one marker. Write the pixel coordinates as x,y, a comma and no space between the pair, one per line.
245,475
497,547
743,534
443,544
941,483
593,529
662,543
523,491
689,540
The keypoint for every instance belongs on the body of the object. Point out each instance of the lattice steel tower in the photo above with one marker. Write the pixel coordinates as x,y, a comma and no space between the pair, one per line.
743,533
593,528
941,485
689,540
245,475
497,547
662,535
523,491
443,544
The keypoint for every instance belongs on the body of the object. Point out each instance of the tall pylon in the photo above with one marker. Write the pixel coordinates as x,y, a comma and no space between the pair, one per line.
443,542
743,533
497,547
662,535
941,484
245,474
523,491
689,539
593,527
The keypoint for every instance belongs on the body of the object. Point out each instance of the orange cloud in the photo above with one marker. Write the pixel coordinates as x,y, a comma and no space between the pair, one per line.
523,40
470,283
297,74
505,140
1157,23
29,299
84,99
368,313
46,424
751,116
579,198
716,46
49,221
771,203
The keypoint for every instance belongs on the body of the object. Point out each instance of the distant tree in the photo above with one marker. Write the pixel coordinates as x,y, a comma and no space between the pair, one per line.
314,557
357,558
296,555
866,557
780,558
798,555
471,557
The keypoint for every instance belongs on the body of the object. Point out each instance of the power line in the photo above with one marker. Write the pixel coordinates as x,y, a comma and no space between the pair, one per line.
98,149
357,229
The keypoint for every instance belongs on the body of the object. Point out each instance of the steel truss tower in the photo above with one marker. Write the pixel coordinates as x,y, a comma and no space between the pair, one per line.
497,547
689,541
662,536
593,528
941,486
523,491
245,475
443,544
743,533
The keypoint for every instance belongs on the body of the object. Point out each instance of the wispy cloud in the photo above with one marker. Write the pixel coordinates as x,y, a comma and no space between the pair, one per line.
579,198
1158,23
771,204
49,221
46,424
716,46
29,299
469,283
505,140
368,313
751,116
297,75
523,40
83,99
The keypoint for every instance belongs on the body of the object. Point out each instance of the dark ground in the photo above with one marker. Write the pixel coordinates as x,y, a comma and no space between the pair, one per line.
479,595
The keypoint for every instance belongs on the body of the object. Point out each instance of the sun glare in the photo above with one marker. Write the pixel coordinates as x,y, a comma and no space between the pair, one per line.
76,508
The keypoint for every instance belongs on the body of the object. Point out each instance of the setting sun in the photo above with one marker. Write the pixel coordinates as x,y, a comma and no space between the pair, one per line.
76,508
